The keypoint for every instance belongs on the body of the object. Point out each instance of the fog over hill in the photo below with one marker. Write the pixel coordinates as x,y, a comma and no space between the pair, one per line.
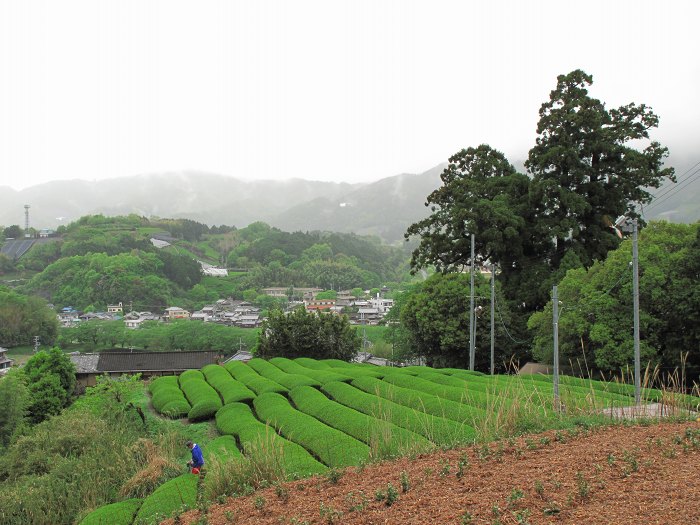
384,208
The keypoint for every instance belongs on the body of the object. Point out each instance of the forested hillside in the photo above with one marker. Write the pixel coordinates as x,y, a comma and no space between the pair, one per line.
100,260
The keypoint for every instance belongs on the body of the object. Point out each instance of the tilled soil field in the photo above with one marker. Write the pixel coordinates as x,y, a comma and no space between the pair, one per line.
618,475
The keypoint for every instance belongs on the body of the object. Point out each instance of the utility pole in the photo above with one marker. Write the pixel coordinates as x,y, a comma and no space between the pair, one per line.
493,326
36,344
635,287
472,314
555,327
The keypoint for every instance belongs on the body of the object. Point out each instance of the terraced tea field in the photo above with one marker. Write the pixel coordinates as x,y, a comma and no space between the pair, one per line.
326,415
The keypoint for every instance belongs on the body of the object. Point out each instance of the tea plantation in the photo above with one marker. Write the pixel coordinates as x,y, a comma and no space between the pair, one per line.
316,415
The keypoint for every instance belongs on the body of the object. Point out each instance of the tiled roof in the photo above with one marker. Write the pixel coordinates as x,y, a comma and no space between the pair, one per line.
153,361
85,363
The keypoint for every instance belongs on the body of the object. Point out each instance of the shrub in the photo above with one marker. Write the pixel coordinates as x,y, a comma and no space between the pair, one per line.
198,392
175,495
333,447
262,442
439,430
384,438
121,513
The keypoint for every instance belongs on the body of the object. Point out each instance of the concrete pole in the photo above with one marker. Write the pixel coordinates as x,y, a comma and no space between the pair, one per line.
472,339
493,318
555,327
635,280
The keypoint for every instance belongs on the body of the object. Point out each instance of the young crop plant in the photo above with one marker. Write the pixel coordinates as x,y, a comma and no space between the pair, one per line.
329,514
356,501
333,447
405,483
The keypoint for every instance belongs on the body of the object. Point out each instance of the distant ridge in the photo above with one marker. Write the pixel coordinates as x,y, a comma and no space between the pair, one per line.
384,208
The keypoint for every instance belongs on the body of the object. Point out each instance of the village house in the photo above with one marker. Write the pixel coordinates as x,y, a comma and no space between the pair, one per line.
172,313
319,305
115,309
5,362
148,364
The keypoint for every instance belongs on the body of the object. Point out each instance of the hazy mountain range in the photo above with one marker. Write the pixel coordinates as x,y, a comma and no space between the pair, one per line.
385,208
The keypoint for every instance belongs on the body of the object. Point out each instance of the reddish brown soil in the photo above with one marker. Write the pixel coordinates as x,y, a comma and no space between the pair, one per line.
619,475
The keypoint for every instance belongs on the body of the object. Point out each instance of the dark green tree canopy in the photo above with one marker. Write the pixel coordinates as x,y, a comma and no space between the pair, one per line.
483,194
436,316
308,334
586,169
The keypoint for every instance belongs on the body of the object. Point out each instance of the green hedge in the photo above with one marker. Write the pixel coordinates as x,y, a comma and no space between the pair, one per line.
428,403
275,374
322,376
331,446
253,380
238,420
389,439
121,513
172,496
230,390
439,430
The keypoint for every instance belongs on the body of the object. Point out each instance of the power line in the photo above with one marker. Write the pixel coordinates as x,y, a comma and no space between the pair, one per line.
667,195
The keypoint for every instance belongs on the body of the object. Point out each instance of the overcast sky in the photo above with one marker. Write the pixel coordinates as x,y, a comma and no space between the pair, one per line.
325,90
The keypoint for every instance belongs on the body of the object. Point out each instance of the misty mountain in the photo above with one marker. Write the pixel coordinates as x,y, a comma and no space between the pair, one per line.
384,208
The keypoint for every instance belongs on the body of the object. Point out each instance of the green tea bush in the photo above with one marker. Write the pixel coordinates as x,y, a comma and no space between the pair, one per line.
383,437
322,376
427,403
223,447
255,437
460,395
176,409
121,513
333,447
438,430
167,398
230,390
314,364
190,374
251,379
285,379
205,409
175,495
163,382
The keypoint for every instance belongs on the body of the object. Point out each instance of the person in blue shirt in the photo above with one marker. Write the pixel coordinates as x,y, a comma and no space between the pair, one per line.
197,461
